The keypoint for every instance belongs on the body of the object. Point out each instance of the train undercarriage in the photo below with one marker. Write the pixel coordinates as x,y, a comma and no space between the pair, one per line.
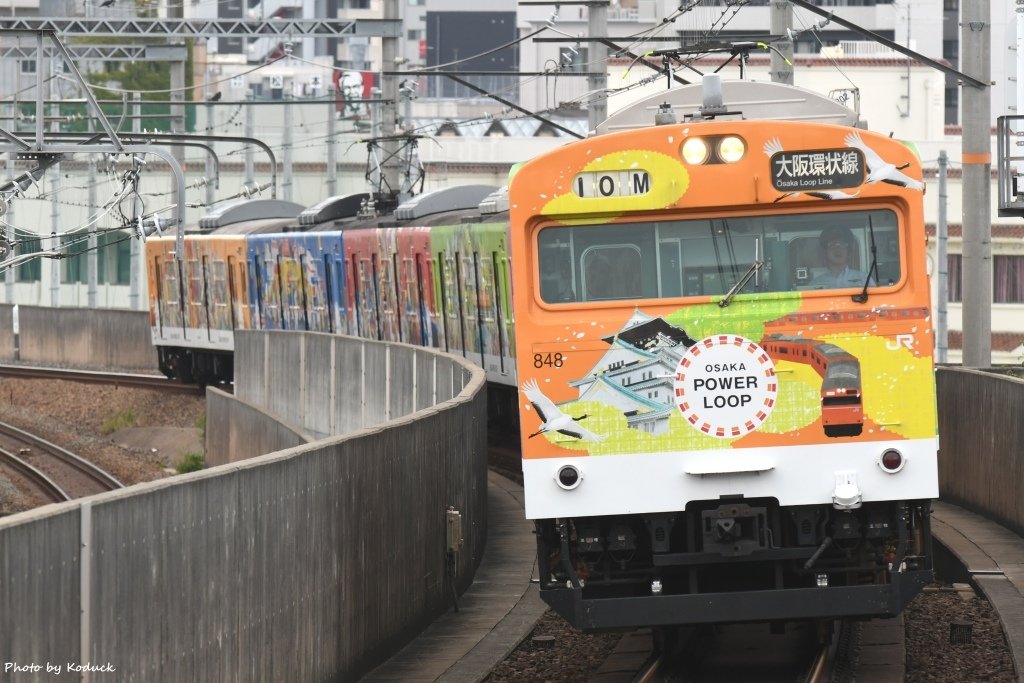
740,560
190,366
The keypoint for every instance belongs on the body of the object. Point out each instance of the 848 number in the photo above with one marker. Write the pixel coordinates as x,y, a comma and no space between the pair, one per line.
552,360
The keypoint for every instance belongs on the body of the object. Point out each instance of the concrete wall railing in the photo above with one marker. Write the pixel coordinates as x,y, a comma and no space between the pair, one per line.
78,337
981,433
311,563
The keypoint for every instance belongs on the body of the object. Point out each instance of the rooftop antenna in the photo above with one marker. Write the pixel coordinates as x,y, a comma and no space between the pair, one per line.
712,96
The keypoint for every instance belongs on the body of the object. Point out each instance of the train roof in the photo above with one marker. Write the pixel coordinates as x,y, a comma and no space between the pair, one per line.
744,99
454,205
242,215
459,197
255,227
334,208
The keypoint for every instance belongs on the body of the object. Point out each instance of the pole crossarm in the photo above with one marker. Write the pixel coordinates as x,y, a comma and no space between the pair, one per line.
822,12
107,53
188,28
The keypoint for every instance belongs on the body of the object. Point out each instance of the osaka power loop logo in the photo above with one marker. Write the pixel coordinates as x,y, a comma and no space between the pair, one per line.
725,386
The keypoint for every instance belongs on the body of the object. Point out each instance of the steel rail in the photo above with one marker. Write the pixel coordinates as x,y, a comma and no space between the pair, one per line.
79,464
96,377
49,487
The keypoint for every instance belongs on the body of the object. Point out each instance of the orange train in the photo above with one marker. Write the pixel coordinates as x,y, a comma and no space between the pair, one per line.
676,469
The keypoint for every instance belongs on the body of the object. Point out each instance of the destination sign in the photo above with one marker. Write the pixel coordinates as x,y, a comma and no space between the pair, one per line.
827,169
612,183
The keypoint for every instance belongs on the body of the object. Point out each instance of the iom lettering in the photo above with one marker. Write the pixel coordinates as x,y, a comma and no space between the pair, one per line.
611,184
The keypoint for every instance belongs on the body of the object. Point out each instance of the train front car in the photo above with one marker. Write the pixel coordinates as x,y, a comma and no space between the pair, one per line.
723,417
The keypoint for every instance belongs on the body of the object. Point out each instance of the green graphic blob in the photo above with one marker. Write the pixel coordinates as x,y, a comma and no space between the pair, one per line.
745,315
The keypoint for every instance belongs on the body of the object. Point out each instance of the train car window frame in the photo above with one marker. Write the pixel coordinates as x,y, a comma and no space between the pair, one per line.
704,256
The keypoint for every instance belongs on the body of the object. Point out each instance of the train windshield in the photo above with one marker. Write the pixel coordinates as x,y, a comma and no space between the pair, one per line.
708,256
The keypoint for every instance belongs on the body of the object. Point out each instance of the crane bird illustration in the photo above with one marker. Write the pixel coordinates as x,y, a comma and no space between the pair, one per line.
554,419
880,170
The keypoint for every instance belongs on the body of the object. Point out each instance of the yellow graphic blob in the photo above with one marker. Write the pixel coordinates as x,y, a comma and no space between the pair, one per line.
798,401
898,389
668,181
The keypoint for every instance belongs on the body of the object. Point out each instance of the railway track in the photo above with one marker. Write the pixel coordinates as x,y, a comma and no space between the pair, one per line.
97,377
802,653
55,472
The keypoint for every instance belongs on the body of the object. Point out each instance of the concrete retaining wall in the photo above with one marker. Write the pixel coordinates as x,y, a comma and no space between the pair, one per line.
79,337
347,384
312,563
981,428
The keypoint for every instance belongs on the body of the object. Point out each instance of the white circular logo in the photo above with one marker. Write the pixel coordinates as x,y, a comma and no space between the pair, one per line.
725,386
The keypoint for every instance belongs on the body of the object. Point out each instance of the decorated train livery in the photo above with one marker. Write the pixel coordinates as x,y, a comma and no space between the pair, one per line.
724,350
326,269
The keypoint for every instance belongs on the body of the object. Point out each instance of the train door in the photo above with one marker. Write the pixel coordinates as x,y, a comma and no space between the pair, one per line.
451,301
509,327
481,306
319,300
368,303
276,301
394,293
205,315
234,301
156,300
468,290
331,297
500,308
430,301
222,298
195,309
337,281
355,286
171,306
259,303
376,282
410,300
303,295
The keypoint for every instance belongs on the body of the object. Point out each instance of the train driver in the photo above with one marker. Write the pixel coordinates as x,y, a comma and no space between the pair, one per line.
837,245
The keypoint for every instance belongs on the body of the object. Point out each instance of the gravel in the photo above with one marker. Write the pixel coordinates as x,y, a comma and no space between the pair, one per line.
931,658
80,416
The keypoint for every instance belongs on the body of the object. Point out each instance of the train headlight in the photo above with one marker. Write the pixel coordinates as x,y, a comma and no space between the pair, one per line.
731,149
568,477
891,461
695,151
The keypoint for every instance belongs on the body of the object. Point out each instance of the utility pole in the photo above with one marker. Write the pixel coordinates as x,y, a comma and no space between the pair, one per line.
92,260
782,61
55,265
975,45
332,143
389,107
597,63
942,267
135,277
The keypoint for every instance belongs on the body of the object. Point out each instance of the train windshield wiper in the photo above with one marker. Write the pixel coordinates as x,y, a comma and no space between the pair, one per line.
741,283
753,270
863,295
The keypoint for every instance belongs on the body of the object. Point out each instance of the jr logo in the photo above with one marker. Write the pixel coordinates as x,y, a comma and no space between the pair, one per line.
906,340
